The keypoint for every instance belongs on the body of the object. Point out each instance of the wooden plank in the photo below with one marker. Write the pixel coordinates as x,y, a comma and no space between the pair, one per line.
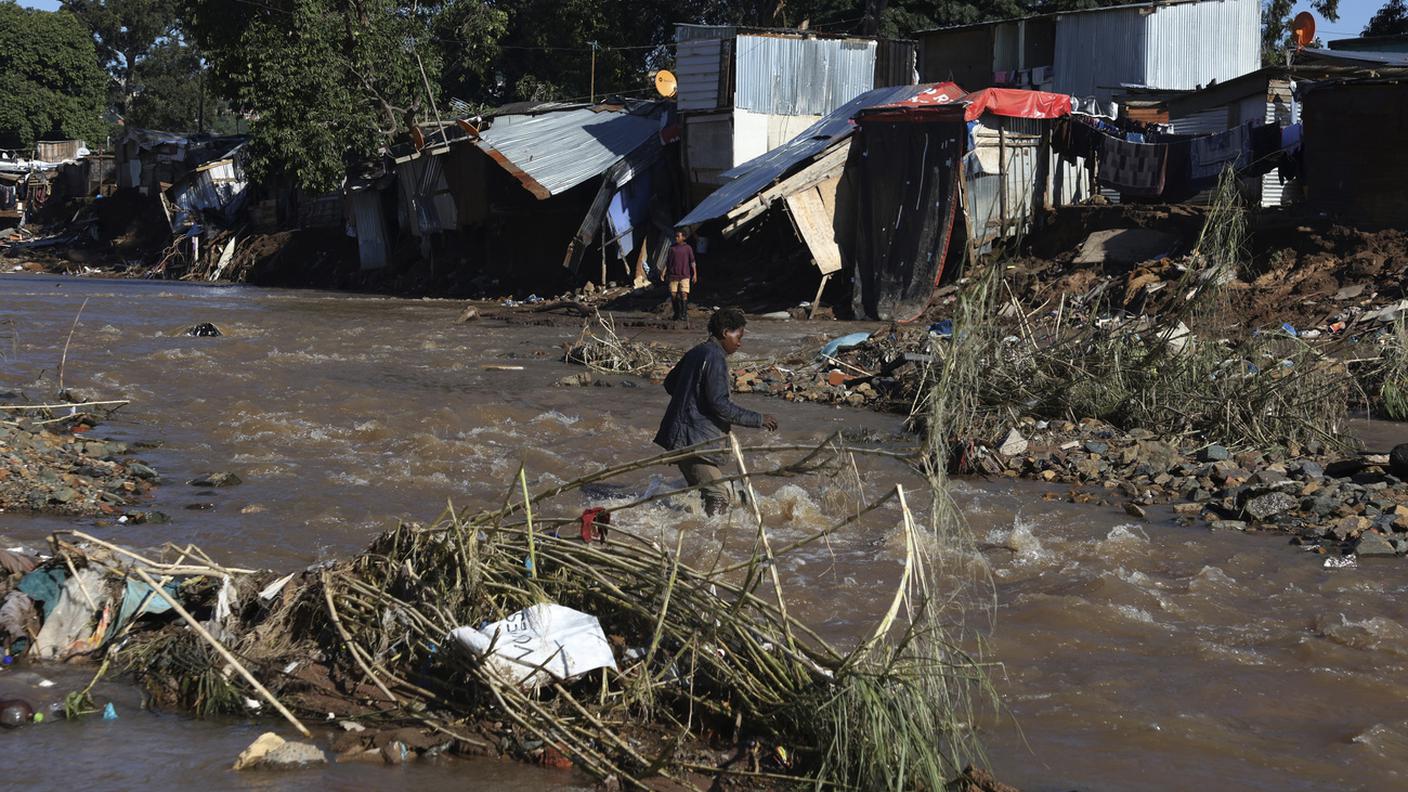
828,166
813,212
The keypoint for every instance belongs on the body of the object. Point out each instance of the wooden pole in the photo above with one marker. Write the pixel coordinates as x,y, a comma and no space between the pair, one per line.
1002,181
816,301
224,653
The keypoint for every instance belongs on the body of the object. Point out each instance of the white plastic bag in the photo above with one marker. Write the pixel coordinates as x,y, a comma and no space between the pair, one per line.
540,641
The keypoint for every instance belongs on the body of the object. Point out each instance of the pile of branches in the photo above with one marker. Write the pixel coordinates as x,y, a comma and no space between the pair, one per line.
707,655
1261,390
600,348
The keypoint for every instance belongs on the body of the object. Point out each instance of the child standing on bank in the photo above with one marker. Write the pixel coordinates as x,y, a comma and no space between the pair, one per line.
680,272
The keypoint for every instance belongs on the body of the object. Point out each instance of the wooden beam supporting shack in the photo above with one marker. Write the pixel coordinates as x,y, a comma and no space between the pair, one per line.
827,166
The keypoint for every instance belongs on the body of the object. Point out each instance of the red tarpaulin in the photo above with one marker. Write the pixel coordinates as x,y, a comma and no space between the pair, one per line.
1016,103
947,98
936,94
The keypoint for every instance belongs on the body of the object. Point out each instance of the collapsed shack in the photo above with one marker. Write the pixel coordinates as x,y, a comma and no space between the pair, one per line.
526,199
689,674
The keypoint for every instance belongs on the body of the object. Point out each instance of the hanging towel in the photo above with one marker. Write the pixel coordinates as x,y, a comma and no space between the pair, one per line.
1133,168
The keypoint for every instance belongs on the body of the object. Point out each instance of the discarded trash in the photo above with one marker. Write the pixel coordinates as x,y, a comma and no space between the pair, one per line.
204,330
942,328
501,367
780,315
1290,329
1344,562
109,712
844,342
274,588
17,712
540,640
1013,444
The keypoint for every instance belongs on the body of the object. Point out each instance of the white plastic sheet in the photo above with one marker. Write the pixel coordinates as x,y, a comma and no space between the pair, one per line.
538,642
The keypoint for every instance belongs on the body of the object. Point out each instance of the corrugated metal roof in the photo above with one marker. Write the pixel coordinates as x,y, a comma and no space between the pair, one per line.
554,152
786,75
756,174
1349,56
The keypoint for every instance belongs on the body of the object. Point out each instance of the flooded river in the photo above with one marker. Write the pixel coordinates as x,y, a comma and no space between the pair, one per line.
1137,656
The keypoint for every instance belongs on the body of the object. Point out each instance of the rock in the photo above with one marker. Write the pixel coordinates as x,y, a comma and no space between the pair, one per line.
469,314
1344,468
1228,525
1398,461
294,754
1264,507
274,752
1374,545
1135,510
1187,508
1266,478
1097,447
142,471
1014,444
1214,453
1310,469
218,479
575,380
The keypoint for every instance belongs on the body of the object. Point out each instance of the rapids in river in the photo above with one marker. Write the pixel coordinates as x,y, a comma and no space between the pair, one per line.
1134,656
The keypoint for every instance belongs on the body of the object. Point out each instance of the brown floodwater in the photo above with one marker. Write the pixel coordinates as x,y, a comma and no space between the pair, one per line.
1148,655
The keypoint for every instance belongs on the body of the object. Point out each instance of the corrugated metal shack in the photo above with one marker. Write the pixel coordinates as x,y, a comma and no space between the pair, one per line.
936,176
1356,151
829,186
526,195
745,91
1178,44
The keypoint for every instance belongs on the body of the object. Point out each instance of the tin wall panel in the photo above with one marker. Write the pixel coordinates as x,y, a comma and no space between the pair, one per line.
788,75
1192,44
1099,51
697,72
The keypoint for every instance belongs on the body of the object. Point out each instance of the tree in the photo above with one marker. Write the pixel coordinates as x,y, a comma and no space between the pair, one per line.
325,82
1276,26
1391,20
173,92
125,33
50,83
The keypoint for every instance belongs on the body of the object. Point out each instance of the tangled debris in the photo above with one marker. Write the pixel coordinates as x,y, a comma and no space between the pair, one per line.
709,677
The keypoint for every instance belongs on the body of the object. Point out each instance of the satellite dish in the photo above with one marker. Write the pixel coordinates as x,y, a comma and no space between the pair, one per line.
665,83
1303,29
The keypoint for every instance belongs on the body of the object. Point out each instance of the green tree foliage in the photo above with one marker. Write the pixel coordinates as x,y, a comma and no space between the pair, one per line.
1276,19
1391,20
50,83
324,82
125,32
174,93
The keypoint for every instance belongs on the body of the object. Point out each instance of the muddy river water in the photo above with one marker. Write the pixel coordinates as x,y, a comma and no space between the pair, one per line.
1136,656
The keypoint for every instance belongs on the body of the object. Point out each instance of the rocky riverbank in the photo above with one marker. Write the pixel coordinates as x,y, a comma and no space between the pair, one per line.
55,465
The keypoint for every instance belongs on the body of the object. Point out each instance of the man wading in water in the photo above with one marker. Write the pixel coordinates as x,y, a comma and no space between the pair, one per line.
701,410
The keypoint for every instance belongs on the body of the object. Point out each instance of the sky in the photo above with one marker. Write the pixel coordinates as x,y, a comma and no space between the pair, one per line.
1354,15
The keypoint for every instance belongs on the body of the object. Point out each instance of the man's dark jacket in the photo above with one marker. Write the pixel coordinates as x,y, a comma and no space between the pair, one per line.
700,408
